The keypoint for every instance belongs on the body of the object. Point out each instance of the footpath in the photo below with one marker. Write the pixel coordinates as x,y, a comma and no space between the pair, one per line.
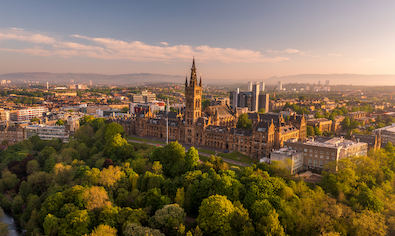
187,146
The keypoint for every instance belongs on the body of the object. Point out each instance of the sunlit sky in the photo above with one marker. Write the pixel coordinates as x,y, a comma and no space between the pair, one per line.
229,39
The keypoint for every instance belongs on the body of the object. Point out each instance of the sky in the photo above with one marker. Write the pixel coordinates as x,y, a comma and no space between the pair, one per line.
246,40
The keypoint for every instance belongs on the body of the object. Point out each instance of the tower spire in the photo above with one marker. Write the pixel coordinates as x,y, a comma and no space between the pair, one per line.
200,83
186,80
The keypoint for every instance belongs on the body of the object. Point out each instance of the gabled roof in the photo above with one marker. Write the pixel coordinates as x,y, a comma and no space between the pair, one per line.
223,111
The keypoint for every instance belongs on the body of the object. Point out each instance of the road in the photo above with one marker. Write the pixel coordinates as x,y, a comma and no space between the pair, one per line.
187,146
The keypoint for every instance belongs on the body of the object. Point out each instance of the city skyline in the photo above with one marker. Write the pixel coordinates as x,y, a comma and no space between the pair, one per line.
229,40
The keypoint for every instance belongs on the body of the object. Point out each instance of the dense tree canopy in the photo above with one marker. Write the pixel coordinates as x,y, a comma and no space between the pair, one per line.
99,184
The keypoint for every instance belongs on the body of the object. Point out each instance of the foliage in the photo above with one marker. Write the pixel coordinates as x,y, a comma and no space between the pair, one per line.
98,186
244,122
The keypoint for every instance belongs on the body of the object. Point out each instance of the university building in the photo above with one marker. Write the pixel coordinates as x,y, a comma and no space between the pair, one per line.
215,126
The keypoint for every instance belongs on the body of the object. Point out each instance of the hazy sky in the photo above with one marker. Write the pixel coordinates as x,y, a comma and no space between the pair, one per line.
230,39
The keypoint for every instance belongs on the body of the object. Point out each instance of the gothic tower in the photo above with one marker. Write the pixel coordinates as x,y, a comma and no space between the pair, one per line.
193,104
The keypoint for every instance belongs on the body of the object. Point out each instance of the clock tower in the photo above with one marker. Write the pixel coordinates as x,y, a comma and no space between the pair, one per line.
193,104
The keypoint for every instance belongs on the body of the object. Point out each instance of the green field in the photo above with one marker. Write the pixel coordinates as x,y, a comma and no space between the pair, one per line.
237,156
206,151
146,140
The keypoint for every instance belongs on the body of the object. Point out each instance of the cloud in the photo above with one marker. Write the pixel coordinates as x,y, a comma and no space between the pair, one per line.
113,49
289,51
334,55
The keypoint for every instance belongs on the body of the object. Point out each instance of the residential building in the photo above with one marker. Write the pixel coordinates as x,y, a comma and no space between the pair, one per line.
47,132
291,159
12,134
386,134
318,152
323,124
30,113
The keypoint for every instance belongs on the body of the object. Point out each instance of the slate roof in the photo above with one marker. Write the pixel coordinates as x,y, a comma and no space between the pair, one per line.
223,111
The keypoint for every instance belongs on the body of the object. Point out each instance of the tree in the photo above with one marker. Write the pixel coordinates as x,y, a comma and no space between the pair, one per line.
168,219
133,229
51,225
270,225
59,122
76,223
180,197
104,230
261,111
310,131
346,123
317,131
114,144
205,103
244,122
113,129
215,215
32,166
95,197
191,159
3,226
34,119
125,109
109,176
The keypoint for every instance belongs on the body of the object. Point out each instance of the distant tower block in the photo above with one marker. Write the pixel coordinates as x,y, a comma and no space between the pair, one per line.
262,86
319,83
279,85
47,85
250,86
71,81
327,83
90,83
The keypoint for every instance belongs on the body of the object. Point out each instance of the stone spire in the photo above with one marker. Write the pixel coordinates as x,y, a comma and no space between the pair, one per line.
186,80
200,83
193,81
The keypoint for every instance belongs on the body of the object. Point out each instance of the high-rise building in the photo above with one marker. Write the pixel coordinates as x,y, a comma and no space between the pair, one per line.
250,86
90,83
47,85
264,102
319,82
262,86
255,97
279,85
235,99
327,83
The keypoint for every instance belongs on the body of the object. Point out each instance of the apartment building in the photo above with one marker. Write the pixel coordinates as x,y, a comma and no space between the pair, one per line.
319,152
29,113
387,134
12,134
47,132
291,159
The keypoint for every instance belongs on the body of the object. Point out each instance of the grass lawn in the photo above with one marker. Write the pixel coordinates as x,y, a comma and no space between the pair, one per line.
146,140
235,155
203,158
206,151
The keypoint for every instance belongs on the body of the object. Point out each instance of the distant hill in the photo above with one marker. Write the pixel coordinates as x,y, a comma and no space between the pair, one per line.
146,78
335,79
65,78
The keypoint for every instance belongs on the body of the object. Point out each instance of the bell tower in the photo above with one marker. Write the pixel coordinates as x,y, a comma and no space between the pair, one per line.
193,104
